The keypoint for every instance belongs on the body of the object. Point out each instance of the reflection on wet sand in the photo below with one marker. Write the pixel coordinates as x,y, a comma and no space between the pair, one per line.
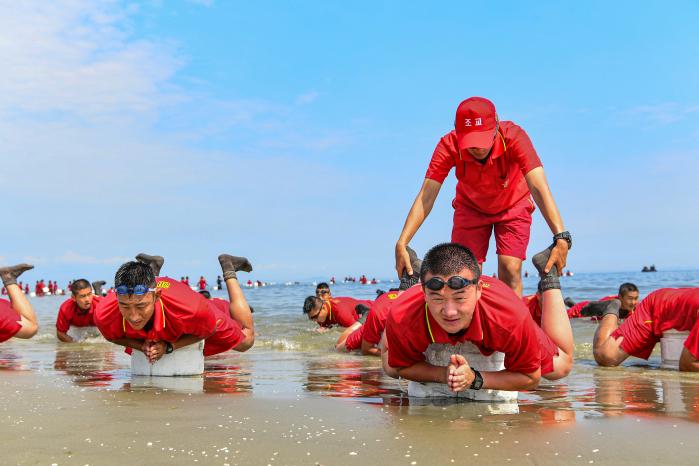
347,379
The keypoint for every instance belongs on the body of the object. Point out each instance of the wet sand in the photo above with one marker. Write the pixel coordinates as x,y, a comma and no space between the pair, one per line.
49,420
292,400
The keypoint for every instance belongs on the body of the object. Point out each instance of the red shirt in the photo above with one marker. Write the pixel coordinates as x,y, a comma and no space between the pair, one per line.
341,311
534,307
664,309
179,311
9,321
376,320
500,322
70,315
493,186
202,284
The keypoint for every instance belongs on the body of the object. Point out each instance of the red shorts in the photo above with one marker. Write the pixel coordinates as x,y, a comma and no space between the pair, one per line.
512,227
637,330
354,340
228,332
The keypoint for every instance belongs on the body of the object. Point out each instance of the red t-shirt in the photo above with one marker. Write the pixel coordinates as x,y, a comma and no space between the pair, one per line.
662,310
179,311
70,315
495,185
534,307
500,322
376,320
341,311
574,311
9,321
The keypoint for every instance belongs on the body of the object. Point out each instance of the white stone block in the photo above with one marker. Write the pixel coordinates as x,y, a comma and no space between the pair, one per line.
671,346
439,354
184,361
81,333
191,384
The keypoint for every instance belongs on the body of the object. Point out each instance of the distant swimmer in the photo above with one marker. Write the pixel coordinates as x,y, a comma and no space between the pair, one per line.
627,296
17,317
76,311
498,173
662,310
158,315
457,304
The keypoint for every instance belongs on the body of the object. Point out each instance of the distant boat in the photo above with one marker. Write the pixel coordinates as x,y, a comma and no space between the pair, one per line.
648,269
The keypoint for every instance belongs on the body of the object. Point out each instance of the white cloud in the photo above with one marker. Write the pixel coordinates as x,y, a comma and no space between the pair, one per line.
665,113
307,98
77,59
74,258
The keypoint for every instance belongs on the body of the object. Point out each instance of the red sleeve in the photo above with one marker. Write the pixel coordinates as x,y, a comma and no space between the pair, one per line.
521,346
63,318
443,160
108,319
520,146
9,321
373,328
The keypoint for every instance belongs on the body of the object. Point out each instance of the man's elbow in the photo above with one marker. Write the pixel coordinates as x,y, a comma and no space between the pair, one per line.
533,382
29,329
247,342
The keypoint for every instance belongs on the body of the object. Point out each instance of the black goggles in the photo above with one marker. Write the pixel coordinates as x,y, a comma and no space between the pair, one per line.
455,283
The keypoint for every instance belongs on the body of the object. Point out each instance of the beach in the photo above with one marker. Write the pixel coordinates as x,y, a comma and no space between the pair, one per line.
292,400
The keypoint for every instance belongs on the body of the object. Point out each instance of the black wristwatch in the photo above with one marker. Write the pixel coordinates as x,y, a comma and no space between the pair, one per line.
169,348
477,380
564,235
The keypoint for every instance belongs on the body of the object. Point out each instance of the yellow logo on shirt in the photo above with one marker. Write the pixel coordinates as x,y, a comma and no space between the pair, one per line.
392,296
163,285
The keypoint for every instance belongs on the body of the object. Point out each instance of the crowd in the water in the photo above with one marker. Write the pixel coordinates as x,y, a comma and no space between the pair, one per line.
444,315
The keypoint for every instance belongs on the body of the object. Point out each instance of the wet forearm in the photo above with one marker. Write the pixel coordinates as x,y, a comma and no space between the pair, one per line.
424,372
509,380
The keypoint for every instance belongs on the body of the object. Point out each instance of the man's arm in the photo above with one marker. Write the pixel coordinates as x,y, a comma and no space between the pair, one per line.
688,362
463,377
156,349
539,187
370,350
64,337
422,206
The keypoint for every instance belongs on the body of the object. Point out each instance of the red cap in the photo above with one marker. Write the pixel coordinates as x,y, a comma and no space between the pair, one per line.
475,123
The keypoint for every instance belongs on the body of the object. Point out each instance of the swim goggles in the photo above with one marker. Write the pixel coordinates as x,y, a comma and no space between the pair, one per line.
455,283
138,290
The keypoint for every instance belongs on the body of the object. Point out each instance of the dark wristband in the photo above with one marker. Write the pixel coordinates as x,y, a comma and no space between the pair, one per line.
477,380
169,348
564,235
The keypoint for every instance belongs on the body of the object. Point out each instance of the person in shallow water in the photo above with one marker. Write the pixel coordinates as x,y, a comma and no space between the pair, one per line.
627,298
457,304
497,170
76,311
160,315
17,317
662,310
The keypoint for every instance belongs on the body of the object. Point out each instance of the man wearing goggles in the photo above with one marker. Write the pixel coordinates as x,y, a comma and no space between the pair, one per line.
158,315
456,304
498,173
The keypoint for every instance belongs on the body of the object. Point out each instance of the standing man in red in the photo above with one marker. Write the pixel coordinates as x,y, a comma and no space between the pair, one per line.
76,311
202,283
497,170
160,315
17,318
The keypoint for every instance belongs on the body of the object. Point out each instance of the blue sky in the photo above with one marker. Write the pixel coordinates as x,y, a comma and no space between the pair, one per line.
299,133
